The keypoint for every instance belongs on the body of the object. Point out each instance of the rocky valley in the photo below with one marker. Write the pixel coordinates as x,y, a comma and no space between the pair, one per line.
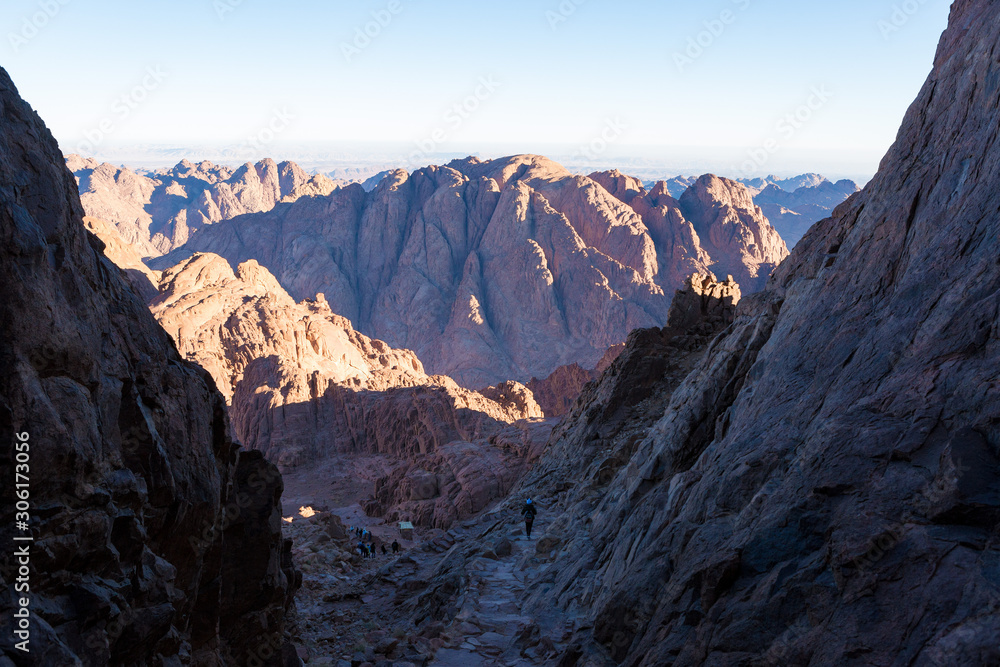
275,419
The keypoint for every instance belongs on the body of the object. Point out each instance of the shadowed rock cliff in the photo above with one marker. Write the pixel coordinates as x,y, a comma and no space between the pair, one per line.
824,486
157,541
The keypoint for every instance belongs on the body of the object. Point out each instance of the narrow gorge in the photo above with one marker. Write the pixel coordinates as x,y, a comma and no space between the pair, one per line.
277,419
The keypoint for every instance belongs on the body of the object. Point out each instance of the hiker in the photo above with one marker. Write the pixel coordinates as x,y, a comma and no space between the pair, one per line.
361,549
395,547
529,513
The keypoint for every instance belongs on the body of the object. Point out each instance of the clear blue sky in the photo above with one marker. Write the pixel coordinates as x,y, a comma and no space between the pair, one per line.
560,83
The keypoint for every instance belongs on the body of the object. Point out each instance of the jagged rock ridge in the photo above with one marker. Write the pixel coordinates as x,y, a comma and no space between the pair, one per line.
156,539
160,210
498,270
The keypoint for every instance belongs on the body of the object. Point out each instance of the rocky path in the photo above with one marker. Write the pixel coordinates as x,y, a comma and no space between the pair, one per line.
354,612
492,628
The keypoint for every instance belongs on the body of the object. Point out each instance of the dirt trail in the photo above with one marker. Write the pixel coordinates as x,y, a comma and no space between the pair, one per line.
353,611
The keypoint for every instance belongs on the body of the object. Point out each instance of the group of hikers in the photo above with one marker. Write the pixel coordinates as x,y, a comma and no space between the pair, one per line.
369,549
366,545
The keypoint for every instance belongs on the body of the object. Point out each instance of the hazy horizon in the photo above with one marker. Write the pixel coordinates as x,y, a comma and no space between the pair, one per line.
734,87
687,161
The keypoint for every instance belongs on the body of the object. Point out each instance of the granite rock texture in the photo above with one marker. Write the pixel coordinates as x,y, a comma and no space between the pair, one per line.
824,486
157,540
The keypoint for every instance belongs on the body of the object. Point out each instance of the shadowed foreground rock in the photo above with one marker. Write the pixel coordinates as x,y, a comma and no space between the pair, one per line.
824,487
821,484
157,541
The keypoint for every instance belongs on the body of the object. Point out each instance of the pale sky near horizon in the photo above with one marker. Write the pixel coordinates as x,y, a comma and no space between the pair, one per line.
546,74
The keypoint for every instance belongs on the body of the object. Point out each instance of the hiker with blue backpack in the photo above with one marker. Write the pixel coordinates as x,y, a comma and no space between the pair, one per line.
529,512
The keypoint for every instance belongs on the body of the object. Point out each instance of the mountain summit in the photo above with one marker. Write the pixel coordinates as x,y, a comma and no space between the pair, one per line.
501,269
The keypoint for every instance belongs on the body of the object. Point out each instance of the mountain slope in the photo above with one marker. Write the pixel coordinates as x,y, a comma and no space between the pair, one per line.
304,387
497,270
824,488
156,539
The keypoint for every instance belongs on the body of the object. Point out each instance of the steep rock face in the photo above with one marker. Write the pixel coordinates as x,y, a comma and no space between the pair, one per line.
145,281
226,320
733,230
496,270
303,385
159,211
557,393
715,223
824,487
145,514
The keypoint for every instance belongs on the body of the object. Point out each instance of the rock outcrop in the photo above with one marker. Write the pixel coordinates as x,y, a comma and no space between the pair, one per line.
500,270
557,393
824,486
304,386
158,211
156,539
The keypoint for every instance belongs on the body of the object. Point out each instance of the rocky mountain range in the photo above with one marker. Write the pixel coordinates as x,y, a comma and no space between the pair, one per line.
303,386
500,270
822,484
160,210
793,212
777,459
155,539
757,185
792,205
